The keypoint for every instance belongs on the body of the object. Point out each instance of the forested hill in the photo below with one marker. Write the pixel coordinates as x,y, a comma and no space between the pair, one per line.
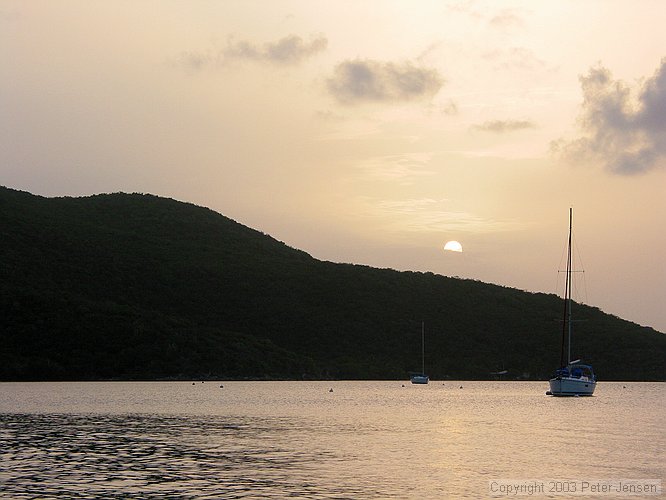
131,286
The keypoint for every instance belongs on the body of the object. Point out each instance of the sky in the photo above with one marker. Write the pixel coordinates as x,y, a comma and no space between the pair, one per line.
367,132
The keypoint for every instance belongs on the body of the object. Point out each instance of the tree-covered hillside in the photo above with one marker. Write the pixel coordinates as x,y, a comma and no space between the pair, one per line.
136,286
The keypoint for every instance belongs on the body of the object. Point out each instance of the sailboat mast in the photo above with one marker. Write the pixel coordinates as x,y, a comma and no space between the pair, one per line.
568,289
570,267
566,321
422,347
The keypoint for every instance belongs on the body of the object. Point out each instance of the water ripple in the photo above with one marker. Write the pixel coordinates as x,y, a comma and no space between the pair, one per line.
92,456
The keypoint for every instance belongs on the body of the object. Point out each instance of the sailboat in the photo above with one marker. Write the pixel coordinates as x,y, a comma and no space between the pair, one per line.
421,378
572,378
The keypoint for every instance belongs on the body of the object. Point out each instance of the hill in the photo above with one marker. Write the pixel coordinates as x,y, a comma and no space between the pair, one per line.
133,286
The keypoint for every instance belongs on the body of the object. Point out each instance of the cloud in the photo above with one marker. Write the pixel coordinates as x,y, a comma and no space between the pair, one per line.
502,126
195,60
623,129
465,8
427,214
506,19
450,108
289,50
401,168
357,81
514,58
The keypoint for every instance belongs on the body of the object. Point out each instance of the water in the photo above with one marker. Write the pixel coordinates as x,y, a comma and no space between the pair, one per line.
299,440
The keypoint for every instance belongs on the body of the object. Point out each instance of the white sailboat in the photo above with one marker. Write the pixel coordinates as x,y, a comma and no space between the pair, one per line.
421,378
572,378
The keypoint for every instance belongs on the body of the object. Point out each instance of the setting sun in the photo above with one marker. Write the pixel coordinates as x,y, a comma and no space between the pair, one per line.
453,246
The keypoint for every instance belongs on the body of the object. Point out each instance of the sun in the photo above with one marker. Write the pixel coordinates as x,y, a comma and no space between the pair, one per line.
453,246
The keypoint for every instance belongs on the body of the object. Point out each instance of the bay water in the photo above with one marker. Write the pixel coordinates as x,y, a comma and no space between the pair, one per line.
351,439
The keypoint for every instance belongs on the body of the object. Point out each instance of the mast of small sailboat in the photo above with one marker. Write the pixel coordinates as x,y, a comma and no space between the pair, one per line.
422,347
566,326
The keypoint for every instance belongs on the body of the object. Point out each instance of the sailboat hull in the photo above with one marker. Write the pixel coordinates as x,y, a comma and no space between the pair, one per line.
570,386
420,379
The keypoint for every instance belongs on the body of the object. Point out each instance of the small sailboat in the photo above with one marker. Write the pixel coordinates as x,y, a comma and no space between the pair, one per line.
421,378
572,378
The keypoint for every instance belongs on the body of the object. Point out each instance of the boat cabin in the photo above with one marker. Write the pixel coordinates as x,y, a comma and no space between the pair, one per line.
576,371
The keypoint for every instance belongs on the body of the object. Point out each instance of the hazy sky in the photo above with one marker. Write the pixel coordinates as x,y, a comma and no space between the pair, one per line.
370,132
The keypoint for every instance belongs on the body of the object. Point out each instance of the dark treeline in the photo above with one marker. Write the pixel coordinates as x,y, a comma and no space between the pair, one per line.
134,286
